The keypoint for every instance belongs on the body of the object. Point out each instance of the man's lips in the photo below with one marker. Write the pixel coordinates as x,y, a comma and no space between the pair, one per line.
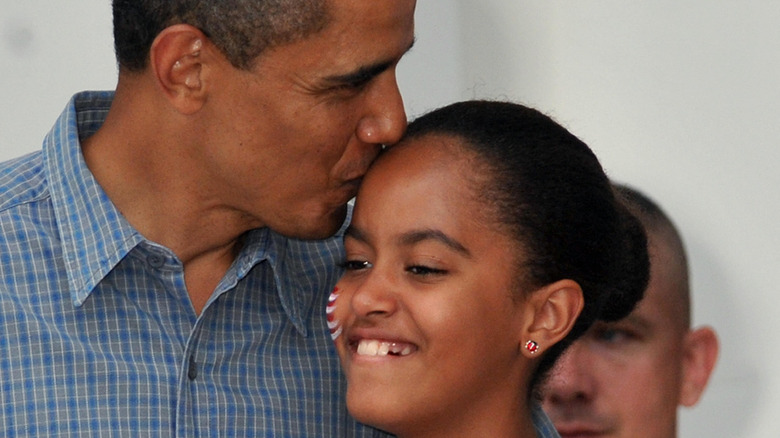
580,434
580,430
354,182
351,186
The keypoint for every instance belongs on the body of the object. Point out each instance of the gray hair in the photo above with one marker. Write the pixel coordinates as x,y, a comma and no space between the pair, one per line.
241,29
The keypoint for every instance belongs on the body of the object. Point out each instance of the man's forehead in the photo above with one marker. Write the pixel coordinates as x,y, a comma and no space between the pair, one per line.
659,309
668,287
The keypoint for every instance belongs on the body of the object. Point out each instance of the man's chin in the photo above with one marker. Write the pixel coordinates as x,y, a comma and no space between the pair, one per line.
315,228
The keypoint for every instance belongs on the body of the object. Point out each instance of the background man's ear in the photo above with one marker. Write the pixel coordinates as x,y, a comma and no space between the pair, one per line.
551,313
699,357
177,59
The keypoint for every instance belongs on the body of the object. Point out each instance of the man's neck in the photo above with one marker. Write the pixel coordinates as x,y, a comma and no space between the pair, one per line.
145,168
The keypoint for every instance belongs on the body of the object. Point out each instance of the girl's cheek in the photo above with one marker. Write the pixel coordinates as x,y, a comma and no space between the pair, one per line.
334,324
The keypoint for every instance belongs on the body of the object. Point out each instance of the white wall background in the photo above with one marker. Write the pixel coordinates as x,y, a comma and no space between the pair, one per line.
678,98
48,52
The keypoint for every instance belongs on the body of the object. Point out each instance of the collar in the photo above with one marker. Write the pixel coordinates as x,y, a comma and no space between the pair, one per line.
302,272
95,236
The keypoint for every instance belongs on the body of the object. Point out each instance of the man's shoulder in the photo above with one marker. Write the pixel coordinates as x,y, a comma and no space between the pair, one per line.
22,181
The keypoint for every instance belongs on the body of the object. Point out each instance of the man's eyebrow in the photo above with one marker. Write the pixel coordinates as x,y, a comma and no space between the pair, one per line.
361,76
365,73
637,321
415,237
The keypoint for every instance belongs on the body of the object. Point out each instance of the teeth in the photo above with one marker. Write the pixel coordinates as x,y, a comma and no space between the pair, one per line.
373,347
368,348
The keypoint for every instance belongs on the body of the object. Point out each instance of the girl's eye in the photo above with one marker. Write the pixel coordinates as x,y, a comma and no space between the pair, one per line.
356,265
424,270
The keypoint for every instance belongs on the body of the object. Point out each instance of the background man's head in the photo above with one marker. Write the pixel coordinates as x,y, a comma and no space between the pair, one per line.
627,378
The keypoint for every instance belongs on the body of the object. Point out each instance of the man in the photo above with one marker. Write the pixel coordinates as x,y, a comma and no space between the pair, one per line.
157,273
627,378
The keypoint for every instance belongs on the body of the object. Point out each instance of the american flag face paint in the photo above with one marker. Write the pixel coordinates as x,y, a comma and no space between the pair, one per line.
334,325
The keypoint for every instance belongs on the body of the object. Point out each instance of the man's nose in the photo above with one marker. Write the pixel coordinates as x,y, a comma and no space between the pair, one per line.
385,119
571,379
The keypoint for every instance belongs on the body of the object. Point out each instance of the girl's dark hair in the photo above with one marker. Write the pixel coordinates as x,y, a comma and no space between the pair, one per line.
547,188
241,29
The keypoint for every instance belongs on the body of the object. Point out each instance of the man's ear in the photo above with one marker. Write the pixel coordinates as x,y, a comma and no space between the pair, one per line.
699,356
177,58
550,314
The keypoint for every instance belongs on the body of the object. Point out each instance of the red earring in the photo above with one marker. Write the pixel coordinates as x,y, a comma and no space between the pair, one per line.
531,346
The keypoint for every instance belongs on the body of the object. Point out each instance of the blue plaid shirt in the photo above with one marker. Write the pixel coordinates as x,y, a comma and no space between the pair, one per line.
98,336
544,427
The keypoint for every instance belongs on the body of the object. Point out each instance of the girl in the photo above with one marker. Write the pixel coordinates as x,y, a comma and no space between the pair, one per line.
480,247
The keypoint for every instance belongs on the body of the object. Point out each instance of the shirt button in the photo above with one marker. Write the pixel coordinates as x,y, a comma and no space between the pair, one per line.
155,260
192,371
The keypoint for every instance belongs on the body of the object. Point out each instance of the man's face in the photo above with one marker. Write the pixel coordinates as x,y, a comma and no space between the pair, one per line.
291,138
624,379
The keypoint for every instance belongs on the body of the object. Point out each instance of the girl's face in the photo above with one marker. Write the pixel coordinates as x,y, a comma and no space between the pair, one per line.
425,319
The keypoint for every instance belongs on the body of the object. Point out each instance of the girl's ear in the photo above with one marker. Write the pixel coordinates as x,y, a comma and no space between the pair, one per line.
550,314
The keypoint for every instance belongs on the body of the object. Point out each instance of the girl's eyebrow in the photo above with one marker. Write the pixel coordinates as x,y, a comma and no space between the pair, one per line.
355,233
414,237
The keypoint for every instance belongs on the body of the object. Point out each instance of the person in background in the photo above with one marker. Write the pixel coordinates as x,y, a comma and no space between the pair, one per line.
480,246
627,378
164,258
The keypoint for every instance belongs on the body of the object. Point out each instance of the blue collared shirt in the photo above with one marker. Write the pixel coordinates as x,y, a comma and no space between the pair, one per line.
98,336
544,427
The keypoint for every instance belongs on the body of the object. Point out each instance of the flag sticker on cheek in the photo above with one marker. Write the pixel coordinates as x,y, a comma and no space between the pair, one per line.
334,325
